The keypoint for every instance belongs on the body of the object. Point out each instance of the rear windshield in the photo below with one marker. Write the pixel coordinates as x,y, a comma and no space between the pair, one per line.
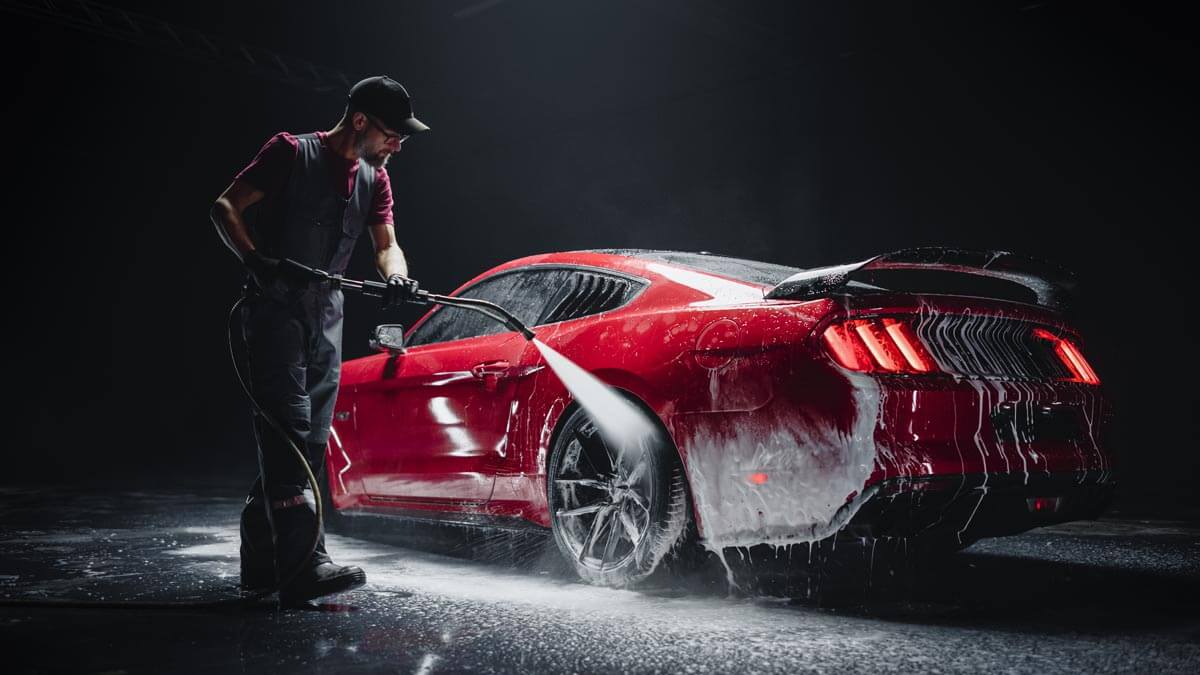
767,274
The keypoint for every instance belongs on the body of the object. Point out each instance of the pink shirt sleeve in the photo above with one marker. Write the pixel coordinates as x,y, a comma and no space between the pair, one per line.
270,168
381,205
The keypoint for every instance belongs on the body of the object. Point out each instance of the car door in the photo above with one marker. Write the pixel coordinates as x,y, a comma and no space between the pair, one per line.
434,429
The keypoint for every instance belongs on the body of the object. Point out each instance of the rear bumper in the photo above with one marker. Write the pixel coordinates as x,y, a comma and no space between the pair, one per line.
973,506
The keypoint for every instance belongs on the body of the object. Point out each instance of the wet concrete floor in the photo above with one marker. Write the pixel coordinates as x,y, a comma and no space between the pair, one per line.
1118,594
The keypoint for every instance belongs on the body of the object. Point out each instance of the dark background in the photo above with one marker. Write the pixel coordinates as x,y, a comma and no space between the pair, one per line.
803,133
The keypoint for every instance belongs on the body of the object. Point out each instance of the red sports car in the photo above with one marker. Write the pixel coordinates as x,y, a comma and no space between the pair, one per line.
927,394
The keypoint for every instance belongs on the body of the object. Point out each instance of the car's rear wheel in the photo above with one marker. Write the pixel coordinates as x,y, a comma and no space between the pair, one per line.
615,513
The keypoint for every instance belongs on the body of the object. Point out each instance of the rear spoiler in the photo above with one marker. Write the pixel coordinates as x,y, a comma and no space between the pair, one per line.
1051,284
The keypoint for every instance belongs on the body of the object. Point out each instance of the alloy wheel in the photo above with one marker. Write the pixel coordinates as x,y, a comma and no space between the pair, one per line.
604,499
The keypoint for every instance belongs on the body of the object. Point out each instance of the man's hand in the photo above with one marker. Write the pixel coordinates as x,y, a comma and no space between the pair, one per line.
400,289
266,269
263,268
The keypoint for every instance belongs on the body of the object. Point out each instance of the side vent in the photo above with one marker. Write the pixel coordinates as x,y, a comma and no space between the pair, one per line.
587,294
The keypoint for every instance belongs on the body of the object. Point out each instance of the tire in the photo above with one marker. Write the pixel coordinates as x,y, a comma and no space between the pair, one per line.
615,519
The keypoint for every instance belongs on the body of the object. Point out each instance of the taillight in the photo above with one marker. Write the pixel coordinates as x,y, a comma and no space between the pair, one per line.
846,348
891,345
1069,354
910,345
878,345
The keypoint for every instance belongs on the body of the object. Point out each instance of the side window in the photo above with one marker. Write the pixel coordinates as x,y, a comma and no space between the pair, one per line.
455,323
530,291
523,293
437,328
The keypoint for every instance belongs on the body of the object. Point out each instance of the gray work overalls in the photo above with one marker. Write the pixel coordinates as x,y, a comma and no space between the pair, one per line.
293,332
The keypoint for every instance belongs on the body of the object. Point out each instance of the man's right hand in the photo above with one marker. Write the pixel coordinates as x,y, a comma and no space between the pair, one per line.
267,269
263,268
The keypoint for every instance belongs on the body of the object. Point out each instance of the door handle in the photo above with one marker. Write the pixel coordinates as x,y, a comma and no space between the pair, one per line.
491,369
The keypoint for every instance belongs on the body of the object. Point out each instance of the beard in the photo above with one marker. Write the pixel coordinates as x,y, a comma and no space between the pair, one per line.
376,157
379,159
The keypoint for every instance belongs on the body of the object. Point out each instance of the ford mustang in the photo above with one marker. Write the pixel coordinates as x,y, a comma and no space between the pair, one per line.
924,395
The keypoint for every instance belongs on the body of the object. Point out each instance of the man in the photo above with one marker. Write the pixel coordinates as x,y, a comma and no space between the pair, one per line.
315,194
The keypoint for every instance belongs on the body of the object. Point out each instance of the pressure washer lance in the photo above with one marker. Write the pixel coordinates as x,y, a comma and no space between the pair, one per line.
298,270
377,289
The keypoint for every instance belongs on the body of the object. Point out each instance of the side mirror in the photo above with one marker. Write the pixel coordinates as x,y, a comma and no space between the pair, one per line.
388,337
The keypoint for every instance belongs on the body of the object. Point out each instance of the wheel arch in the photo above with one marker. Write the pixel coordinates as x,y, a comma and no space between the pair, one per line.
629,385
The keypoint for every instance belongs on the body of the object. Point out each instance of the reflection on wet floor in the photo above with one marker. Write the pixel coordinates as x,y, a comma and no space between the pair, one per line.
1116,594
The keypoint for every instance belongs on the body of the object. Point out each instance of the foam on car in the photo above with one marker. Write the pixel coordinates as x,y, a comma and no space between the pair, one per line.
782,481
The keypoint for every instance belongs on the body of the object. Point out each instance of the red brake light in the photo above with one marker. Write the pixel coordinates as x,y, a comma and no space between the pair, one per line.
846,349
881,347
878,345
910,345
1072,358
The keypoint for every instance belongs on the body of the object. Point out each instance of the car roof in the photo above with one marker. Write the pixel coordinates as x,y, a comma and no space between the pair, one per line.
627,259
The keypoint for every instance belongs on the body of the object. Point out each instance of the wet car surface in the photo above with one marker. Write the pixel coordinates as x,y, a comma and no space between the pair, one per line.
931,394
1107,595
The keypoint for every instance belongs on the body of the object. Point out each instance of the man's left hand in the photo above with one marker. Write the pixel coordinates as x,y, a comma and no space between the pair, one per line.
400,289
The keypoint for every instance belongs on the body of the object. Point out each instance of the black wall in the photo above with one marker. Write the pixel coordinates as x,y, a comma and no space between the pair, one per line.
800,133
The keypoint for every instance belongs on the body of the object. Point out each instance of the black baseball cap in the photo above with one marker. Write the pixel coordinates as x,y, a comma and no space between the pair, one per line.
388,100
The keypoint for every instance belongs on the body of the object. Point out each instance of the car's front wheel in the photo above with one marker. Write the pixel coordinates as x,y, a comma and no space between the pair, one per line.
616,513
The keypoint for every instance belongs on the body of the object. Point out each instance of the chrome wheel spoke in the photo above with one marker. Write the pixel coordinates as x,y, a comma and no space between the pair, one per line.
585,482
636,474
640,501
593,534
630,527
579,511
611,544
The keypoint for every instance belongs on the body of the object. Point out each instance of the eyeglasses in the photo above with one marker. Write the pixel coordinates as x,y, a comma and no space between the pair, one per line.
387,135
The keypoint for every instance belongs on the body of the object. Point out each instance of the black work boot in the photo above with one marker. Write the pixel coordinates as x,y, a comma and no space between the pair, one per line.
258,549
295,521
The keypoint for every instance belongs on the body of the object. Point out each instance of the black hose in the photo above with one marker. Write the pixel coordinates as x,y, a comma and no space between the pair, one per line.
369,288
